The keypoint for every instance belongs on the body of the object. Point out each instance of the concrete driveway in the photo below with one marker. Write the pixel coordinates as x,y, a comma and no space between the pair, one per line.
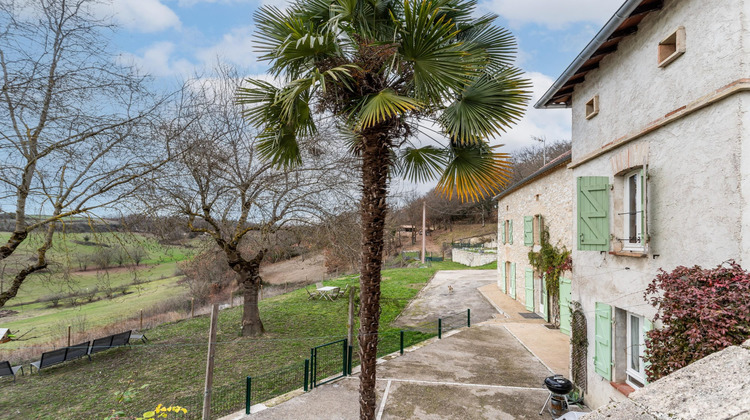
482,372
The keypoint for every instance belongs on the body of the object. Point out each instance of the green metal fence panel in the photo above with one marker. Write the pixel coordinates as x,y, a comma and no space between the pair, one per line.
328,362
277,382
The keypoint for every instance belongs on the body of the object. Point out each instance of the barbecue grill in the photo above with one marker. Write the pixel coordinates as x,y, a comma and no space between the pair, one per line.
559,388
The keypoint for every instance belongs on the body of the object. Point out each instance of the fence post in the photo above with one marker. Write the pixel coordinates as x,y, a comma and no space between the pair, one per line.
440,328
344,354
192,307
247,393
402,342
468,317
307,373
351,355
313,364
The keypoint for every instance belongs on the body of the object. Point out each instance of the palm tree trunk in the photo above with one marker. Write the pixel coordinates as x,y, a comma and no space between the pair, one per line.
373,209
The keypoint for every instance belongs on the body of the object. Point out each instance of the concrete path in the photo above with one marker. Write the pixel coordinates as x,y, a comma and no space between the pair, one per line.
493,370
451,292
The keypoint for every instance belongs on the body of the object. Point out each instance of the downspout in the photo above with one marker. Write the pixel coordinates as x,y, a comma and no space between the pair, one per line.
612,24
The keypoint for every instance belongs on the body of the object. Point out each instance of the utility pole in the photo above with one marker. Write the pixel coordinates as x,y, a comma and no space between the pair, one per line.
210,362
424,229
542,140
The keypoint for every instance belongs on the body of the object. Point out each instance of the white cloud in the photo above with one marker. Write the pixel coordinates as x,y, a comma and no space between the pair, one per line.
141,15
553,124
157,60
235,47
555,14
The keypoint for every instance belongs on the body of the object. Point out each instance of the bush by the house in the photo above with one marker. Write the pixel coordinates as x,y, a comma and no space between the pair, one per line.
702,311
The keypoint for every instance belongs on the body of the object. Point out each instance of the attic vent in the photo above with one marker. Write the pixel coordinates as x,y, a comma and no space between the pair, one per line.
672,47
592,107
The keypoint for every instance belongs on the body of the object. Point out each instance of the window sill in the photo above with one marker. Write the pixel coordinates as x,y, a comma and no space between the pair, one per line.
633,254
623,388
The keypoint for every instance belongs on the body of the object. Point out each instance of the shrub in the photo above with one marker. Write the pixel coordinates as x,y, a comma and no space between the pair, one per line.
702,311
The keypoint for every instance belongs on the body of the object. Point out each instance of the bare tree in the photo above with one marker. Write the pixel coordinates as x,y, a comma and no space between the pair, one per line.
74,124
222,187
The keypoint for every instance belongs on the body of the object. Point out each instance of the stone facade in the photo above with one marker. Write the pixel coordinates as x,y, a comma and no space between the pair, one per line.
686,125
549,195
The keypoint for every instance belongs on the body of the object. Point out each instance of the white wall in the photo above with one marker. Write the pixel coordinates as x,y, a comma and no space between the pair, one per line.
633,91
472,259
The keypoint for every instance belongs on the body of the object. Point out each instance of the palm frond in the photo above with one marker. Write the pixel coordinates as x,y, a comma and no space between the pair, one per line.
486,107
428,43
422,164
481,37
382,106
280,147
475,172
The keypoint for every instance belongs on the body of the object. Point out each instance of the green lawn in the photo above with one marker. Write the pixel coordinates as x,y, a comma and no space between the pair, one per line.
173,364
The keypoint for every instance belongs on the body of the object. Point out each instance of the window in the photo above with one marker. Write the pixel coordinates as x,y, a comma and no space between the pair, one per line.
633,209
636,370
538,227
506,232
672,47
592,107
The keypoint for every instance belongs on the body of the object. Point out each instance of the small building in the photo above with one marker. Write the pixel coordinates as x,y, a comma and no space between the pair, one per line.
661,168
543,200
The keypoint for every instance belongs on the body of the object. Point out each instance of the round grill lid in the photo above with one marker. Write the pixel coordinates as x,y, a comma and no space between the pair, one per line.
558,384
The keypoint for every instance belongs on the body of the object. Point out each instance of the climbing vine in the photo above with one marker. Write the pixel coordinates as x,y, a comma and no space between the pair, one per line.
551,261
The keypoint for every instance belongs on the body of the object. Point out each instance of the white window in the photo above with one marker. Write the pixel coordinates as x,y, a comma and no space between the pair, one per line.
635,371
633,211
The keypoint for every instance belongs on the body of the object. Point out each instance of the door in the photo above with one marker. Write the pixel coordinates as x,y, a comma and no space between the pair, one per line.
529,286
513,280
565,305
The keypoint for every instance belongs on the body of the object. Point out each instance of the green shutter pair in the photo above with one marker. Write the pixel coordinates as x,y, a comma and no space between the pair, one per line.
593,211
510,232
529,288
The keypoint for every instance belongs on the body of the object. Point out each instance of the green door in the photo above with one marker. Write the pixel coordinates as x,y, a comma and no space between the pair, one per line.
565,305
529,290
513,280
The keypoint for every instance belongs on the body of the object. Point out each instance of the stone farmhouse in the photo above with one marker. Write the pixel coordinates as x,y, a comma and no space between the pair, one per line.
659,174
541,200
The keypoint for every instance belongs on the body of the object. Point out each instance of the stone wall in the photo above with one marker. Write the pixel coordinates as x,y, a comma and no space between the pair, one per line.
550,196
472,259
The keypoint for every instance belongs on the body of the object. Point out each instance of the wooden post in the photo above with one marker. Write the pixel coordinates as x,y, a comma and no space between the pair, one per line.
141,324
350,322
424,229
231,299
210,362
261,292
68,335
192,307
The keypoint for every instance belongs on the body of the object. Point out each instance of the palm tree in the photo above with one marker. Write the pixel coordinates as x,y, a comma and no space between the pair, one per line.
390,73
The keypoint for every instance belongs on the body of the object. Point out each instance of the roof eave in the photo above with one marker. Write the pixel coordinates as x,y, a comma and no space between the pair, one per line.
612,24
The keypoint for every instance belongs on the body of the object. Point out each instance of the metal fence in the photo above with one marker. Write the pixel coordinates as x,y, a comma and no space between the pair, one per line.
333,360
225,399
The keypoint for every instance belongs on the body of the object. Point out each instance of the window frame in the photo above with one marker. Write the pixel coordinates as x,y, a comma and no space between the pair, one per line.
629,212
635,378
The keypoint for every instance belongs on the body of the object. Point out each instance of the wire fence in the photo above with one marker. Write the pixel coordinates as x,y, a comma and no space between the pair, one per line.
332,360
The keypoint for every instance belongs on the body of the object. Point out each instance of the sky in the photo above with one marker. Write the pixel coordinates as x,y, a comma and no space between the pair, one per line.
174,39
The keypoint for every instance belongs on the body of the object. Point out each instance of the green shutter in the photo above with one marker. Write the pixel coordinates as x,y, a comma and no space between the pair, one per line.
528,230
593,210
529,286
565,290
543,304
510,231
603,341
502,232
647,326
502,276
644,205
513,280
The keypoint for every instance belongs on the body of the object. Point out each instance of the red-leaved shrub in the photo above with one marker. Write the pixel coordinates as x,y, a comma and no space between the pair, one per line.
702,311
